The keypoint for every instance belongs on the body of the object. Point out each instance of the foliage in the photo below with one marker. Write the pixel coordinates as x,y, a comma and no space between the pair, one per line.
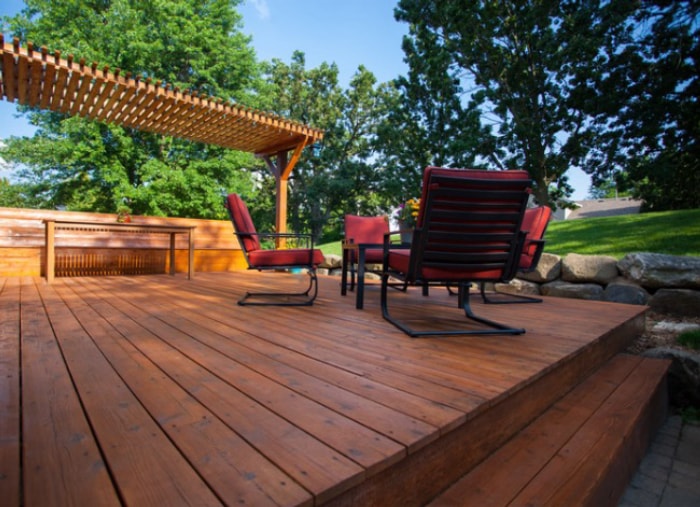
12,195
690,339
670,232
336,176
84,165
530,67
653,145
423,120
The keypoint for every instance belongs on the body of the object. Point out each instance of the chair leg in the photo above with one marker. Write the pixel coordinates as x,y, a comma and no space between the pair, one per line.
511,298
494,328
309,295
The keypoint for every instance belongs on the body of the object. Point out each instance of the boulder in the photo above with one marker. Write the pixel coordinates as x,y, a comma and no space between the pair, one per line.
559,288
681,302
548,269
654,271
518,286
622,290
332,261
683,376
600,269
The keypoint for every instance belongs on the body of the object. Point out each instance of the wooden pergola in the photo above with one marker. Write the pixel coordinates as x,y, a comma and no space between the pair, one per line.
37,79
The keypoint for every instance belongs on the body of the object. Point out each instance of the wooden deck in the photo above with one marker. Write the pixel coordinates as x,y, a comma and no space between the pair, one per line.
156,390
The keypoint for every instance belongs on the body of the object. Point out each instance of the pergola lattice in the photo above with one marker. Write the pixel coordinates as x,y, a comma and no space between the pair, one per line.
37,79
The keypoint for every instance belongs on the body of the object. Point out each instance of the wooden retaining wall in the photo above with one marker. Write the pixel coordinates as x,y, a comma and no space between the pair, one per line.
22,245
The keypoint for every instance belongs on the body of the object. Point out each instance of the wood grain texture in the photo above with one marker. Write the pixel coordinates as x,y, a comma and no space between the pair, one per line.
158,390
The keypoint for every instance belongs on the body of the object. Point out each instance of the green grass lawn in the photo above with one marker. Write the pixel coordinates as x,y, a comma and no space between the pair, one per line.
668,232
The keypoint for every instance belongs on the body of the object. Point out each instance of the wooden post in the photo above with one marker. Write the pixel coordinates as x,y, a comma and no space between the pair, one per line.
50,250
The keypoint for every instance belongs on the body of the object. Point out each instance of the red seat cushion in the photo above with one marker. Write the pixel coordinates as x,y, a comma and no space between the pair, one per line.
291,257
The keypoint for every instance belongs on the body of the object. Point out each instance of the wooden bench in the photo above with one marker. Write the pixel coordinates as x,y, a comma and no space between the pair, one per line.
51,226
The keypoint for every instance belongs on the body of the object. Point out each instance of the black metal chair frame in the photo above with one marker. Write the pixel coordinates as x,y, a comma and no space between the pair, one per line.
307,296
441,242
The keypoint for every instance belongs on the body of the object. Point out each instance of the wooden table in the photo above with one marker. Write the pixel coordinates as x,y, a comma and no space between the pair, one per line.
68,225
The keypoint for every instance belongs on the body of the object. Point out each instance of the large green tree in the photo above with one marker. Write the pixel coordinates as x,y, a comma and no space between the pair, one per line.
338,175
531,66
652,147
83,165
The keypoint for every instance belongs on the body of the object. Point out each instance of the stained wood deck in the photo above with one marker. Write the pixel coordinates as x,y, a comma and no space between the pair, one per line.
156,390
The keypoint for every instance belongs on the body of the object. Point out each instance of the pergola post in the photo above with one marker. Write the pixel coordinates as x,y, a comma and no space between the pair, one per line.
282,187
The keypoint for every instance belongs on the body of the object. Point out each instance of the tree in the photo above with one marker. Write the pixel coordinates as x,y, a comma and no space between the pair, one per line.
653,144
531,67
335,176
85,165
424,121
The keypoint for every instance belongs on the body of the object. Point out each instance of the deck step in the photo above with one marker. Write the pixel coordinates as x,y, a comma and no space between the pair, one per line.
582,451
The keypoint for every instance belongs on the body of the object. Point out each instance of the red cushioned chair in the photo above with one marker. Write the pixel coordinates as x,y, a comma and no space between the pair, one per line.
273,259
362,247
468,230
535,224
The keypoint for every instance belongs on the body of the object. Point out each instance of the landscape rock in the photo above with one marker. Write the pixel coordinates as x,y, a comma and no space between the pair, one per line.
622,290
518,286
654,271
547,270
332,261
683,376
560,288
681,302
600,269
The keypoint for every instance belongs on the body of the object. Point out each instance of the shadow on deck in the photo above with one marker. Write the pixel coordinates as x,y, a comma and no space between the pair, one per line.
156,390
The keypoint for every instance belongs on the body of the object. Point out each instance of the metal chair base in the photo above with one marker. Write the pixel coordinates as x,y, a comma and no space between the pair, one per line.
308,296
493,328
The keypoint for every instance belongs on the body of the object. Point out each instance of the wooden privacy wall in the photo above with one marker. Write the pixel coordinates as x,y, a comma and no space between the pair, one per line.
22,245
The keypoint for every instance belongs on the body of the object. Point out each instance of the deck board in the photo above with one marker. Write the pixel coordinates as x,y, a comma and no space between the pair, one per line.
157,390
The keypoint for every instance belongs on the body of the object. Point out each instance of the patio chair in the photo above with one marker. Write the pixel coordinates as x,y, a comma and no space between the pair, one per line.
535,223
274,259
468,230
362,249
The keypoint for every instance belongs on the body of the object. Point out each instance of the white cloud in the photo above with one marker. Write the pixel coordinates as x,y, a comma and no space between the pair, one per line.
262,8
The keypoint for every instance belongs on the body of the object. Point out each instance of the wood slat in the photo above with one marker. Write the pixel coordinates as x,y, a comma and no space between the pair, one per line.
138,430
10,415
560,458
61,462
84,90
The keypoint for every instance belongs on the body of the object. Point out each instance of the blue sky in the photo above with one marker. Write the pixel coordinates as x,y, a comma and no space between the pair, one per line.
349,33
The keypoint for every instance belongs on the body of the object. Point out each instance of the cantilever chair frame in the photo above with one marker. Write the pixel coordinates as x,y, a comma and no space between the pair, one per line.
458,243
277,298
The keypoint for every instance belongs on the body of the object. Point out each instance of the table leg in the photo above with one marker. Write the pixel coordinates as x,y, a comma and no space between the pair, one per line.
190,257
172,253
359,302
50,243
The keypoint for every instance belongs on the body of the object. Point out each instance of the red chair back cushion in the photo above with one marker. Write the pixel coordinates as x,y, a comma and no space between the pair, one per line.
240,216
472,174
535,223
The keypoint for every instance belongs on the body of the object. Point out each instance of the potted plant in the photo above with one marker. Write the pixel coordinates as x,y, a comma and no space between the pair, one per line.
123,214
406,217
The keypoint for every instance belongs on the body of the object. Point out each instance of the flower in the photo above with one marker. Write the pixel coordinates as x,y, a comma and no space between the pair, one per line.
408,213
